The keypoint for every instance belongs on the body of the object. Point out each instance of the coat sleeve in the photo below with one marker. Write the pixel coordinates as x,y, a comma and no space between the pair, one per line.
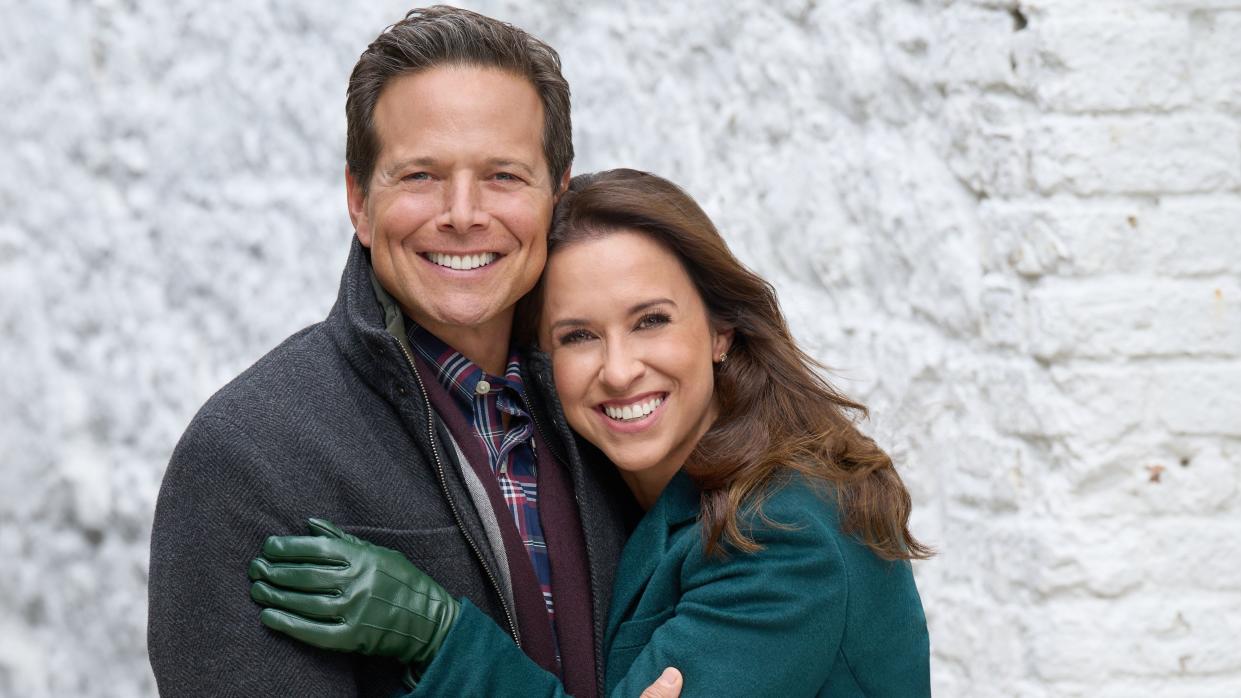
479,659
767,623
216,505
761,624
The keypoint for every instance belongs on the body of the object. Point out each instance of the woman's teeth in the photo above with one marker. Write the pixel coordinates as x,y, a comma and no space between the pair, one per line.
464,262
629,412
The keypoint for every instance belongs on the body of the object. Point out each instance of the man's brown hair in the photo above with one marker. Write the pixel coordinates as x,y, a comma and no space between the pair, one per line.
443,36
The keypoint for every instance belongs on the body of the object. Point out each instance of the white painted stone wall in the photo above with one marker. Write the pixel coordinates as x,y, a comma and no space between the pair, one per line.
1014,231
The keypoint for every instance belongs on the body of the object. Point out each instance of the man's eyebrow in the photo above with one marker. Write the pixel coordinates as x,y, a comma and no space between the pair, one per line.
633,310
506,162
425,161
408,162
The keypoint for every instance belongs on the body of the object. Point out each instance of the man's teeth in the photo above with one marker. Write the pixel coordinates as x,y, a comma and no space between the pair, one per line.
462,262
629,412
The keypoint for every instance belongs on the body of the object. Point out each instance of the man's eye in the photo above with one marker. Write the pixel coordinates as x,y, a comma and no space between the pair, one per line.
417,176
575,337
507,177
653,320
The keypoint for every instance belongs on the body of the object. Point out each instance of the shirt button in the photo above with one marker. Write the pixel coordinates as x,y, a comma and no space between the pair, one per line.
482,387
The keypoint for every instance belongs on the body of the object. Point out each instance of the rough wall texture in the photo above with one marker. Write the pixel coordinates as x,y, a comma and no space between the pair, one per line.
1014,231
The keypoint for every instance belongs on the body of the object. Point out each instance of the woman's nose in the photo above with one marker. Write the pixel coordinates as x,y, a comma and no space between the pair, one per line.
621,368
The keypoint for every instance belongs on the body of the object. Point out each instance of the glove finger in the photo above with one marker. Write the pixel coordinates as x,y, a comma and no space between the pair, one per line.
307,549
307,577
329,636
324,607
327,529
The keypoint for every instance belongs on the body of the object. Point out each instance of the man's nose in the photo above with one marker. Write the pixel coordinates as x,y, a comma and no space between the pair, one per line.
463,206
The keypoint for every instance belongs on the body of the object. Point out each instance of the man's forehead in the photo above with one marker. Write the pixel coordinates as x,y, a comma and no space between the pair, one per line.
443,115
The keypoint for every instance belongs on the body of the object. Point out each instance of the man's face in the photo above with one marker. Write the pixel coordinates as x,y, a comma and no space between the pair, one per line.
460,199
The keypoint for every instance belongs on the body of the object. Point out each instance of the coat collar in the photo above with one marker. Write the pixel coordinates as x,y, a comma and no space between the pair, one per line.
367,328
677,506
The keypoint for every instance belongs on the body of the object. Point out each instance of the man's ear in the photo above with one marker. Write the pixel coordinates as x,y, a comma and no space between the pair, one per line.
563,186
357,208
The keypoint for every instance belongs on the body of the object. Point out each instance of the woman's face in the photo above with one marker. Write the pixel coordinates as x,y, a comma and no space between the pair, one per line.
632,349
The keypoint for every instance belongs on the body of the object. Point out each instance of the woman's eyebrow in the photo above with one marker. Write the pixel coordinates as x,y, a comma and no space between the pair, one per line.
646,305
569,321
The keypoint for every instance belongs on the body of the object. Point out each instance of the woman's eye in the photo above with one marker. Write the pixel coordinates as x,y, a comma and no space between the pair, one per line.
653,320
575,337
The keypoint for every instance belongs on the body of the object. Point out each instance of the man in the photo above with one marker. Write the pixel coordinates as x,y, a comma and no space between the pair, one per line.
406,416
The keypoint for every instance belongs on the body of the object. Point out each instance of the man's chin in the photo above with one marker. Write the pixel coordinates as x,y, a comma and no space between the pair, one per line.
468,315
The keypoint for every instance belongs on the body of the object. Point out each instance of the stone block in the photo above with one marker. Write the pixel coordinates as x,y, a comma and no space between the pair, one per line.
1119,316
1113,63
1141,154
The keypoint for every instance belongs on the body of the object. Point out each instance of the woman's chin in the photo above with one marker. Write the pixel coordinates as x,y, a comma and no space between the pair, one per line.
644,470
630,466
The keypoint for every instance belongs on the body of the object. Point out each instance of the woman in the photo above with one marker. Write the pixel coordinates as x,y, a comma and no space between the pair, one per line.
773,555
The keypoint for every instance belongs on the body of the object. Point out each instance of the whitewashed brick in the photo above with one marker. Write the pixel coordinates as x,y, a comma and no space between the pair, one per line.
1123,10
989,143
1216,74
1181,236
1166,635
1022,399
1198,398
1143,475
1004,311
1147,154
1121,316
1113,63
975,46
1100,403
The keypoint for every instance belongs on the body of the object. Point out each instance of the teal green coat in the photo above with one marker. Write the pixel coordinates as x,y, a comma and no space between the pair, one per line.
814,613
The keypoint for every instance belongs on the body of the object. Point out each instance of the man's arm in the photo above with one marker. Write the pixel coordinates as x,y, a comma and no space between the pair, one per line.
216,505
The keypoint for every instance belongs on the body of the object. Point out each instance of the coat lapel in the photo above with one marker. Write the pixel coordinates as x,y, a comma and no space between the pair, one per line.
677,504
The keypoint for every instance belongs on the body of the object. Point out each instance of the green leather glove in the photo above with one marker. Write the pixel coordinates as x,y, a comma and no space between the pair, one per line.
339,592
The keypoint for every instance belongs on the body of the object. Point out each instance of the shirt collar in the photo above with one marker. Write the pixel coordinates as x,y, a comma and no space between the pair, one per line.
456,373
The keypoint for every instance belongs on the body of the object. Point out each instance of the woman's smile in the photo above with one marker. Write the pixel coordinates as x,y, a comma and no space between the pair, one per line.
633,415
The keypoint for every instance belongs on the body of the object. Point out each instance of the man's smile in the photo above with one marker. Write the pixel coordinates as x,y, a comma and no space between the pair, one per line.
463,262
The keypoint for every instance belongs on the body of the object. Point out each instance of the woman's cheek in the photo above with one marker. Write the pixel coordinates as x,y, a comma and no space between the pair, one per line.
571,383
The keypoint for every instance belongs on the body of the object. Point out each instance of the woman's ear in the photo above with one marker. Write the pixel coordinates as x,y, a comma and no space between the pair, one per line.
721,342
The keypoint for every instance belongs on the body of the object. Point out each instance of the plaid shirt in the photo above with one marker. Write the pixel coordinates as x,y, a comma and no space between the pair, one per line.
510,452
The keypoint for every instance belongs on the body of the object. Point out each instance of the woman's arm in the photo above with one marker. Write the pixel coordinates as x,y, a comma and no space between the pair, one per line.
757,624
336,591
765,623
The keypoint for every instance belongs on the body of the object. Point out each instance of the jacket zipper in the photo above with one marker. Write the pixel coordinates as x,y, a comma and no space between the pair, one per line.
439,471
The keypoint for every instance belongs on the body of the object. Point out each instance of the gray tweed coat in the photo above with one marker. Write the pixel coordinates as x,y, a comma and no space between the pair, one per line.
334,423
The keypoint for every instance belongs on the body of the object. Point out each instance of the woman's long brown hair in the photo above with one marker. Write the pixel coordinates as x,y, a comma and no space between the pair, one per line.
776,411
